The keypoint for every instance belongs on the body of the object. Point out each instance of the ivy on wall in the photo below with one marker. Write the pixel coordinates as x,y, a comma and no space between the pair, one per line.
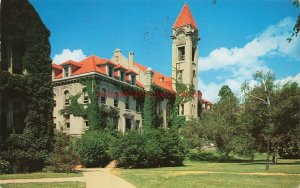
98,116
22,26
184,94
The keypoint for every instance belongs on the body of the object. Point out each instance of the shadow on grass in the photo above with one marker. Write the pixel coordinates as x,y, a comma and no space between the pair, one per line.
263,162
210,157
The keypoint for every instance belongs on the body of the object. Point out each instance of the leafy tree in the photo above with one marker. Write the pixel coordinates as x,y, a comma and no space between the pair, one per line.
63,157
286,116
151,148
93,148
296,28
259,103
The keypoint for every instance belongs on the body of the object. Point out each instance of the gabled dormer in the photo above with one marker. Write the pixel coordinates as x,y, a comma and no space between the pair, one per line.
56,70
69,67
131,75
121,72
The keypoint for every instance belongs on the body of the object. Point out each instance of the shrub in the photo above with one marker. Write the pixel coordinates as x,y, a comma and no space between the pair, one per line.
4,166
63,158
153,148
93,148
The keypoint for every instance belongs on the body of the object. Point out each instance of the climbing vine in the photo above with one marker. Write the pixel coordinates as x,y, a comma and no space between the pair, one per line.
23,30
98,116
184,93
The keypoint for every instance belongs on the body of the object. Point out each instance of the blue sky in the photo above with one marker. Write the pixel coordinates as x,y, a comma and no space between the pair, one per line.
237,37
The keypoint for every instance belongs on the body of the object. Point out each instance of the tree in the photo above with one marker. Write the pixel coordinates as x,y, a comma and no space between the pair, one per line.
260,97
286,116
227,110
296,28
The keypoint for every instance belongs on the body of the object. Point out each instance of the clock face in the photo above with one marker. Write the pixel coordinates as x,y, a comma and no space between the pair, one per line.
180,39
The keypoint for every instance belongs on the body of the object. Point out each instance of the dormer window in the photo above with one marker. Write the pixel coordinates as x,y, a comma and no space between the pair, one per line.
122,75
66,71
133,80
110,71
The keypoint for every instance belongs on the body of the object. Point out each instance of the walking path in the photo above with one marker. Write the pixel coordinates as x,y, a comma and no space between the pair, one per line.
93,177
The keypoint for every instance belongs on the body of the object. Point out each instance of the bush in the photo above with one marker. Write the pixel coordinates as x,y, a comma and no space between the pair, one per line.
93,148
153,148
63,158
4,166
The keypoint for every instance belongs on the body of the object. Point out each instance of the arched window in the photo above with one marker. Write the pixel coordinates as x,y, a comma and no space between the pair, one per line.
116,99
67,98
103,96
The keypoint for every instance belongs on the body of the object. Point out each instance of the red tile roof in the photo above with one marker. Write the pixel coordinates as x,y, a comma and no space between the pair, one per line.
94,64
185,18
165,84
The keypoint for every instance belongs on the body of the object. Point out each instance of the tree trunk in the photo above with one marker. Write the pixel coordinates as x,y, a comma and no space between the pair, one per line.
268,154
274,161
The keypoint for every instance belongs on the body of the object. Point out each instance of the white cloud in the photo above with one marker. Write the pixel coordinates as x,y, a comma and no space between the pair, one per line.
242,62
283,81
75,55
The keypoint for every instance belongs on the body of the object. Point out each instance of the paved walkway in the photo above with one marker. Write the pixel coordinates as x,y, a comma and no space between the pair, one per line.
102,178
93,177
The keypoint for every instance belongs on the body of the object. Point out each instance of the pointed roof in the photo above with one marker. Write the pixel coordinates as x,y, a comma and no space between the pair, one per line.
185,18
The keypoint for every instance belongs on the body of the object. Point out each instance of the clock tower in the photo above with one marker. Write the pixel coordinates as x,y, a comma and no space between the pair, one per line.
185,57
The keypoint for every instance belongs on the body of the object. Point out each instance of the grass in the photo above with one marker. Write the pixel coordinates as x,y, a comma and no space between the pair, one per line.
45,185
234,173
39,175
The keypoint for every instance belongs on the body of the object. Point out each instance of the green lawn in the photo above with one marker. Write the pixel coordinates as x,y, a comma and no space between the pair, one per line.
39,175
213,174
45,185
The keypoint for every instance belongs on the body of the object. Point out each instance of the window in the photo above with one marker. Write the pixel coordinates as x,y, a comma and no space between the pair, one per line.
67,98
168,109
17,62
103,96
182,109
54,100
66,71
127,124
194,73
116,122
116,99
127,102
67,120
122,76
181,53
110,71
85,97
138,106
133,80
158,109
180,73
193,54
86,123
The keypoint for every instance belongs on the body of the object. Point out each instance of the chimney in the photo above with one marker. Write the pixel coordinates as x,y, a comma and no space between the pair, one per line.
148,78
131,59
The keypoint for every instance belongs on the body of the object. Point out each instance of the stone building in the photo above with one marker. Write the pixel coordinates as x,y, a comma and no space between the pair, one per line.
119,71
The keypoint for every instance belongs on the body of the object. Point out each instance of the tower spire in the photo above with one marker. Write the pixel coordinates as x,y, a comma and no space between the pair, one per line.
185,18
